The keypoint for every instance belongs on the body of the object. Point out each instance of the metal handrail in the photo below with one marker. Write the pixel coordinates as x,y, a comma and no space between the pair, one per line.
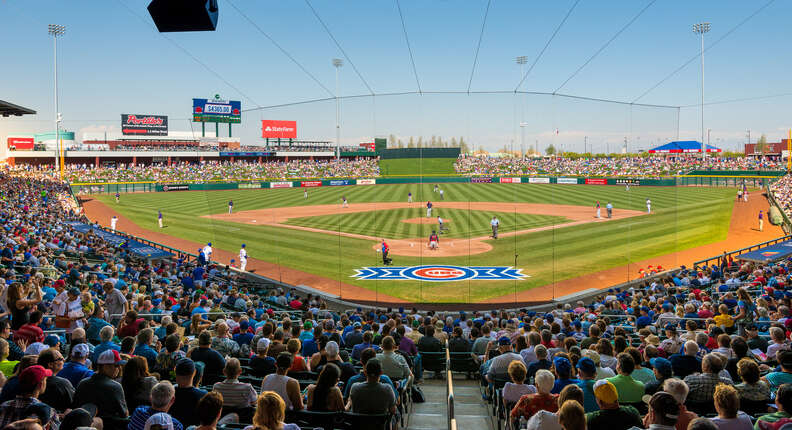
740,251
449,390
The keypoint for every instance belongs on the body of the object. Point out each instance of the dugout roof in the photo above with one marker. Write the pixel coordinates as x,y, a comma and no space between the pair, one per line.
769,254
9,109
682,147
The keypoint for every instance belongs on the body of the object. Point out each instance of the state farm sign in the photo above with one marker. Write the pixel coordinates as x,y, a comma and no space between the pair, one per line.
144,125
273,129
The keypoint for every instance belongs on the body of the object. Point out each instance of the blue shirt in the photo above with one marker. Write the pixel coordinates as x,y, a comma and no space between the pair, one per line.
102,347
138,419
362,378
589,400
148,353
95,325
561,383
75,372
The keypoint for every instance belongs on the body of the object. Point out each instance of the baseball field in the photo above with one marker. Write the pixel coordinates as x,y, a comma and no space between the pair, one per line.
549,232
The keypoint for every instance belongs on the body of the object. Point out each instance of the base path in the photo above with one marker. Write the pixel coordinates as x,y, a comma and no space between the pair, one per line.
101,213
417,247
743,232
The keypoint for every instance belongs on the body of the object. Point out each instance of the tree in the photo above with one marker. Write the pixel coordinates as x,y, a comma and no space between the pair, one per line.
761,145
433,142
401,144
411,143
453,142
550,149
392,141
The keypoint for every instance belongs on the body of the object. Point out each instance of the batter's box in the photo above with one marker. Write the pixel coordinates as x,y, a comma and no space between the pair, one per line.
440,273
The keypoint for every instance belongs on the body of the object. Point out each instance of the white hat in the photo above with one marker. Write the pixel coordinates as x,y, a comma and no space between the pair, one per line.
163,420
35,348
110,356
80,350
262,344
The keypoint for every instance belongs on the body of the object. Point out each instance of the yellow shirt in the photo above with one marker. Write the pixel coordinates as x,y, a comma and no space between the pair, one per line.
7,367
723,320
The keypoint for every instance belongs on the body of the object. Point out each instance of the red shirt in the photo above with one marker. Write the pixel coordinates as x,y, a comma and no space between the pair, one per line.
130,329
529,404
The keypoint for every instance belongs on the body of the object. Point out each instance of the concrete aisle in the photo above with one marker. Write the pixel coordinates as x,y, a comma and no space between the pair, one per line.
469,409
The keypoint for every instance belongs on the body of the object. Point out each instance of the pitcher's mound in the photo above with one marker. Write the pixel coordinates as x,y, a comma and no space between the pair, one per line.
448,247
424,220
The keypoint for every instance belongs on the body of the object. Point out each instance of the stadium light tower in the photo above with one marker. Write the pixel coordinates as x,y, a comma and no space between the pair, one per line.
702,28
337,63
522,60
56,30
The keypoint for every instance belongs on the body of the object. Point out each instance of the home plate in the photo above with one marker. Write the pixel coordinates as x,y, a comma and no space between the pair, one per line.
254,220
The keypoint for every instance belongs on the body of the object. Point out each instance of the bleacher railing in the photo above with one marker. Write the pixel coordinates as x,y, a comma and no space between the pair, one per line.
717,258
449,389
786,225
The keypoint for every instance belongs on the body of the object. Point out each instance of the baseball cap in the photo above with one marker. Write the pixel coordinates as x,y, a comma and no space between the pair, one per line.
160,421
38,410
262,344
593,355
664,405
79,417
184,367
785,359
51,340
662,365
562,365
35,348
587,365
110,356
605,391
357,324
671,327
80,350
503,341
74,291
33,375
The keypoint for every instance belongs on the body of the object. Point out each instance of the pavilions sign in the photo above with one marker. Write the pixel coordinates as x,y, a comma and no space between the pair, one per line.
144,125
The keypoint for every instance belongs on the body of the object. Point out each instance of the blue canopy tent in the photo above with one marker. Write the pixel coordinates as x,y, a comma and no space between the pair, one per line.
682,147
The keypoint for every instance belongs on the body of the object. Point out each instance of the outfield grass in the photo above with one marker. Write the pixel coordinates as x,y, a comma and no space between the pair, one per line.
684,217
417,166
462,224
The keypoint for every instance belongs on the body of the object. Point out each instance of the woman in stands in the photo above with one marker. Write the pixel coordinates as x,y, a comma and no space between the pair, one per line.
137,383
19,305
514,390
198,324
293,346
530,404
548,420
325,396
270,412
752,390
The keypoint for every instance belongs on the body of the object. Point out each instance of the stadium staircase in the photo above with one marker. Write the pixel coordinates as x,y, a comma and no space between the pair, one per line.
470,411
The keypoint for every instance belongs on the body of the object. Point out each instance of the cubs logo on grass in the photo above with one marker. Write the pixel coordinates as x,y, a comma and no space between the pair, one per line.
440,273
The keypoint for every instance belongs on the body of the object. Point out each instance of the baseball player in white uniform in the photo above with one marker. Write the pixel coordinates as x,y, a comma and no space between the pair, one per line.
230,206
648,206
442,194
242,258
207,251
409,197
113,222
305,193
344,203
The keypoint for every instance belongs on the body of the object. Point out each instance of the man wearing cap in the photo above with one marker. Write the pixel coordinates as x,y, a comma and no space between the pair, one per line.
32,382
563,372
102,390
355,336
162,396
75,369
186,395
663,411
261,363
242,258
663,370
630,390
59,392
207,252
672,344
587,370
611,416
499,366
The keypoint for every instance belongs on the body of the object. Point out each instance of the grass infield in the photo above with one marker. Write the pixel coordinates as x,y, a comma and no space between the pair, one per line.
684,217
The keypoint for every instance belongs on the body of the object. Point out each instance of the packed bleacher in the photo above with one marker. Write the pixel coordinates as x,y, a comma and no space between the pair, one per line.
782,191
649,166
91,336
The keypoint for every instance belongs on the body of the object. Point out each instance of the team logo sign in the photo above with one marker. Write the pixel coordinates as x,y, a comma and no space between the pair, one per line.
770,253
438,273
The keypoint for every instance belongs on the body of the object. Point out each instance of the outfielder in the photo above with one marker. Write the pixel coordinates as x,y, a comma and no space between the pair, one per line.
305,193
159,218
409,197
440,226
442,194
428,209
117,196
344,203
242,258
494,224
599,213
230,206
113,222
434,241
648,206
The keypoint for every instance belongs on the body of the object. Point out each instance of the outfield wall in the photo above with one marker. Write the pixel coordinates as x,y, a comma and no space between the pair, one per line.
215,185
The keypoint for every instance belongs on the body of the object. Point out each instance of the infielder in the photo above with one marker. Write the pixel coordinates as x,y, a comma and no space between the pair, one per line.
648,206
609,208
242,258
627,187
440,226
159,218
117,196
305,193
113,222
207,252
761,221
434,241
409,197
230,206
599,213
428,209
344,203
442,194
494,224
745,196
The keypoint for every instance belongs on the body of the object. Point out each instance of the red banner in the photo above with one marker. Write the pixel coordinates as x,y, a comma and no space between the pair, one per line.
21,143
311,183
273,129
596,181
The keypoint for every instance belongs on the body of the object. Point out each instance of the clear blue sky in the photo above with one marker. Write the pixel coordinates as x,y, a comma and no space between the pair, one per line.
112,61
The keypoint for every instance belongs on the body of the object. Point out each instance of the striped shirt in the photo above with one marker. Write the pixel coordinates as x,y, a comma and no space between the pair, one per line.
138,419
236,394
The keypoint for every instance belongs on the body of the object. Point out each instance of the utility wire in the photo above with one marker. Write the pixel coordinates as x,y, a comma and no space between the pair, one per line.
186,52
407,39
745,99
339,46
606,44
561,24
277,45
695,57
478,46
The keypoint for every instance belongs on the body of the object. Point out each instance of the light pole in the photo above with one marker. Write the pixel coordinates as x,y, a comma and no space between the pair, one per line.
585,143
522,135
522,60
708,139
57,30
702,28
337,63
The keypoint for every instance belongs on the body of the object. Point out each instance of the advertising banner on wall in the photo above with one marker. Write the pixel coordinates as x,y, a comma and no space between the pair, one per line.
568,181
176,187
217,110
366,181
630,181
479,180
249,185
596,181
340,182
273,129
144,125
311,183
283,184
538,180
510,180
21,143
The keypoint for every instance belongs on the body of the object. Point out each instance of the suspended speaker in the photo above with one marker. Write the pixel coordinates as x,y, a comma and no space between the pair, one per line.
184,15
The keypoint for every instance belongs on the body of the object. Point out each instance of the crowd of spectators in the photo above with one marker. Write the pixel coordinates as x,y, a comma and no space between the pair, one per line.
782,191
650,166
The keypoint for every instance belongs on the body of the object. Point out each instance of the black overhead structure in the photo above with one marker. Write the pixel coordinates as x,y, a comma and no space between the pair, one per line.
9,109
